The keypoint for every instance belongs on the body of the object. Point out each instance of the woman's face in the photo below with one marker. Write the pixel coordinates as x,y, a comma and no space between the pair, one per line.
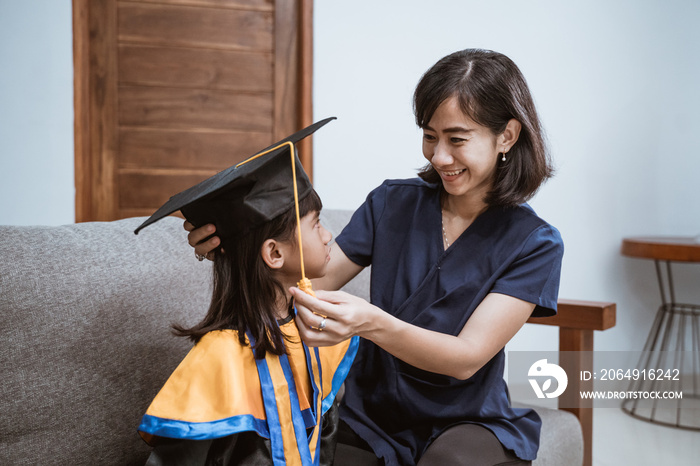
464,153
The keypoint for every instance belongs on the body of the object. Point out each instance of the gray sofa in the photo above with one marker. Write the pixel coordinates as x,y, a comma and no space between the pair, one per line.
86,310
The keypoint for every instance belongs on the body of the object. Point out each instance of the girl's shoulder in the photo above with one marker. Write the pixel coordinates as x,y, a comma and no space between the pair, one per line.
220,340
219,348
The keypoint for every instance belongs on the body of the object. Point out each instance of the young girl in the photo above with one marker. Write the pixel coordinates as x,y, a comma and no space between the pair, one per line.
250,392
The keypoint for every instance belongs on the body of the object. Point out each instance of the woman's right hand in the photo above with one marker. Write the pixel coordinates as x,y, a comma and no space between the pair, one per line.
197,236
333,316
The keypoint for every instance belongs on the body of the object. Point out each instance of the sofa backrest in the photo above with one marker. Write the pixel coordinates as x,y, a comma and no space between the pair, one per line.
86,311
86,344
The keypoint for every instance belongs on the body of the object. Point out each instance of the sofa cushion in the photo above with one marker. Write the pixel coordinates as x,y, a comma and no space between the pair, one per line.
561,438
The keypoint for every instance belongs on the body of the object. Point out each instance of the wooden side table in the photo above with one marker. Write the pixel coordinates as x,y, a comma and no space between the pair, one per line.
674,338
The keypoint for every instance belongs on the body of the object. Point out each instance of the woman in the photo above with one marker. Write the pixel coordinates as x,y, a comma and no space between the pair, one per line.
459,263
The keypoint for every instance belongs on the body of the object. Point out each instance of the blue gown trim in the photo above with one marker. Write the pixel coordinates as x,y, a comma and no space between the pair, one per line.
341,373
270,403
317,391
203,430
297,420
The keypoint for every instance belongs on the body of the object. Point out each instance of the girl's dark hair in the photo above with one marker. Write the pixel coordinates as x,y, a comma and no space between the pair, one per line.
491,90
245,293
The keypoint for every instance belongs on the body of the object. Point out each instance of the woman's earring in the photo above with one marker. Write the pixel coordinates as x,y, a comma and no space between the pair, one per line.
503,159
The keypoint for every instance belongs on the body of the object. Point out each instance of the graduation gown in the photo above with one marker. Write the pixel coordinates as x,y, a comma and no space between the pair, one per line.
223,406
399,409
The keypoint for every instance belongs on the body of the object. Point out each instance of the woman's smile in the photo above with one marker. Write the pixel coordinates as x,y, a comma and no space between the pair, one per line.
448,175
452,173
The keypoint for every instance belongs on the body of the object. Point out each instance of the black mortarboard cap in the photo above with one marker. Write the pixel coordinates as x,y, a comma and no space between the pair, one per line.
245,195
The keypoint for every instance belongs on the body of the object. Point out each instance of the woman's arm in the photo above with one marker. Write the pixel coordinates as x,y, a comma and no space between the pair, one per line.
494,322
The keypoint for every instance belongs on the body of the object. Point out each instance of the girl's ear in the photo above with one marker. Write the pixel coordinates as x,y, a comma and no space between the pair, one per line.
510,135
272,254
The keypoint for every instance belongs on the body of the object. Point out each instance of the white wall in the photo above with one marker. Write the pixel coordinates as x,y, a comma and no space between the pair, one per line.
615,82
36,113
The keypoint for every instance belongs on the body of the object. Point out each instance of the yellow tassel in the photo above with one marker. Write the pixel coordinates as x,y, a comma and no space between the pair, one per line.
305,285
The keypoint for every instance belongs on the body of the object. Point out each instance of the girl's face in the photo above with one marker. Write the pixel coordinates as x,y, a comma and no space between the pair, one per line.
315,243
464,153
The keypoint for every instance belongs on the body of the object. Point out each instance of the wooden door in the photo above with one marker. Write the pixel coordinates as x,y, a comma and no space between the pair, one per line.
170,92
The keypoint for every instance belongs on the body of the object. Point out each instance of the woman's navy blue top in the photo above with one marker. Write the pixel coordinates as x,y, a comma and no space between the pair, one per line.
399,409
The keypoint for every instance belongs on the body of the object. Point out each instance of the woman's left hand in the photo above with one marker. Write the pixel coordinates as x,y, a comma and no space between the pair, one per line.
331,317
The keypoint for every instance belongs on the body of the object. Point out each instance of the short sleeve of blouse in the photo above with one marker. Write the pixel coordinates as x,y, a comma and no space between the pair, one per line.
357,238
534,275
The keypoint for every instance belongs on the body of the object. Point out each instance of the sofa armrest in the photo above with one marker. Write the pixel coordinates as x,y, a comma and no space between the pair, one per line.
580,315
577,320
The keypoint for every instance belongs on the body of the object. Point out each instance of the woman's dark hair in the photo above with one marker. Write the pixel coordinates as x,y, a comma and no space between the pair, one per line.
245,294
491,90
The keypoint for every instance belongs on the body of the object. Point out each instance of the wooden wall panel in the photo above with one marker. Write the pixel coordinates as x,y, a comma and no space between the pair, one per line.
305,85
160,148
147,188
95,98
82,77
194,108
195,68
262,5
169,92
190,26
286,62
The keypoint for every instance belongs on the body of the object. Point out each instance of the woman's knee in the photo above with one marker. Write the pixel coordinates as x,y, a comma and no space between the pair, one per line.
468,444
